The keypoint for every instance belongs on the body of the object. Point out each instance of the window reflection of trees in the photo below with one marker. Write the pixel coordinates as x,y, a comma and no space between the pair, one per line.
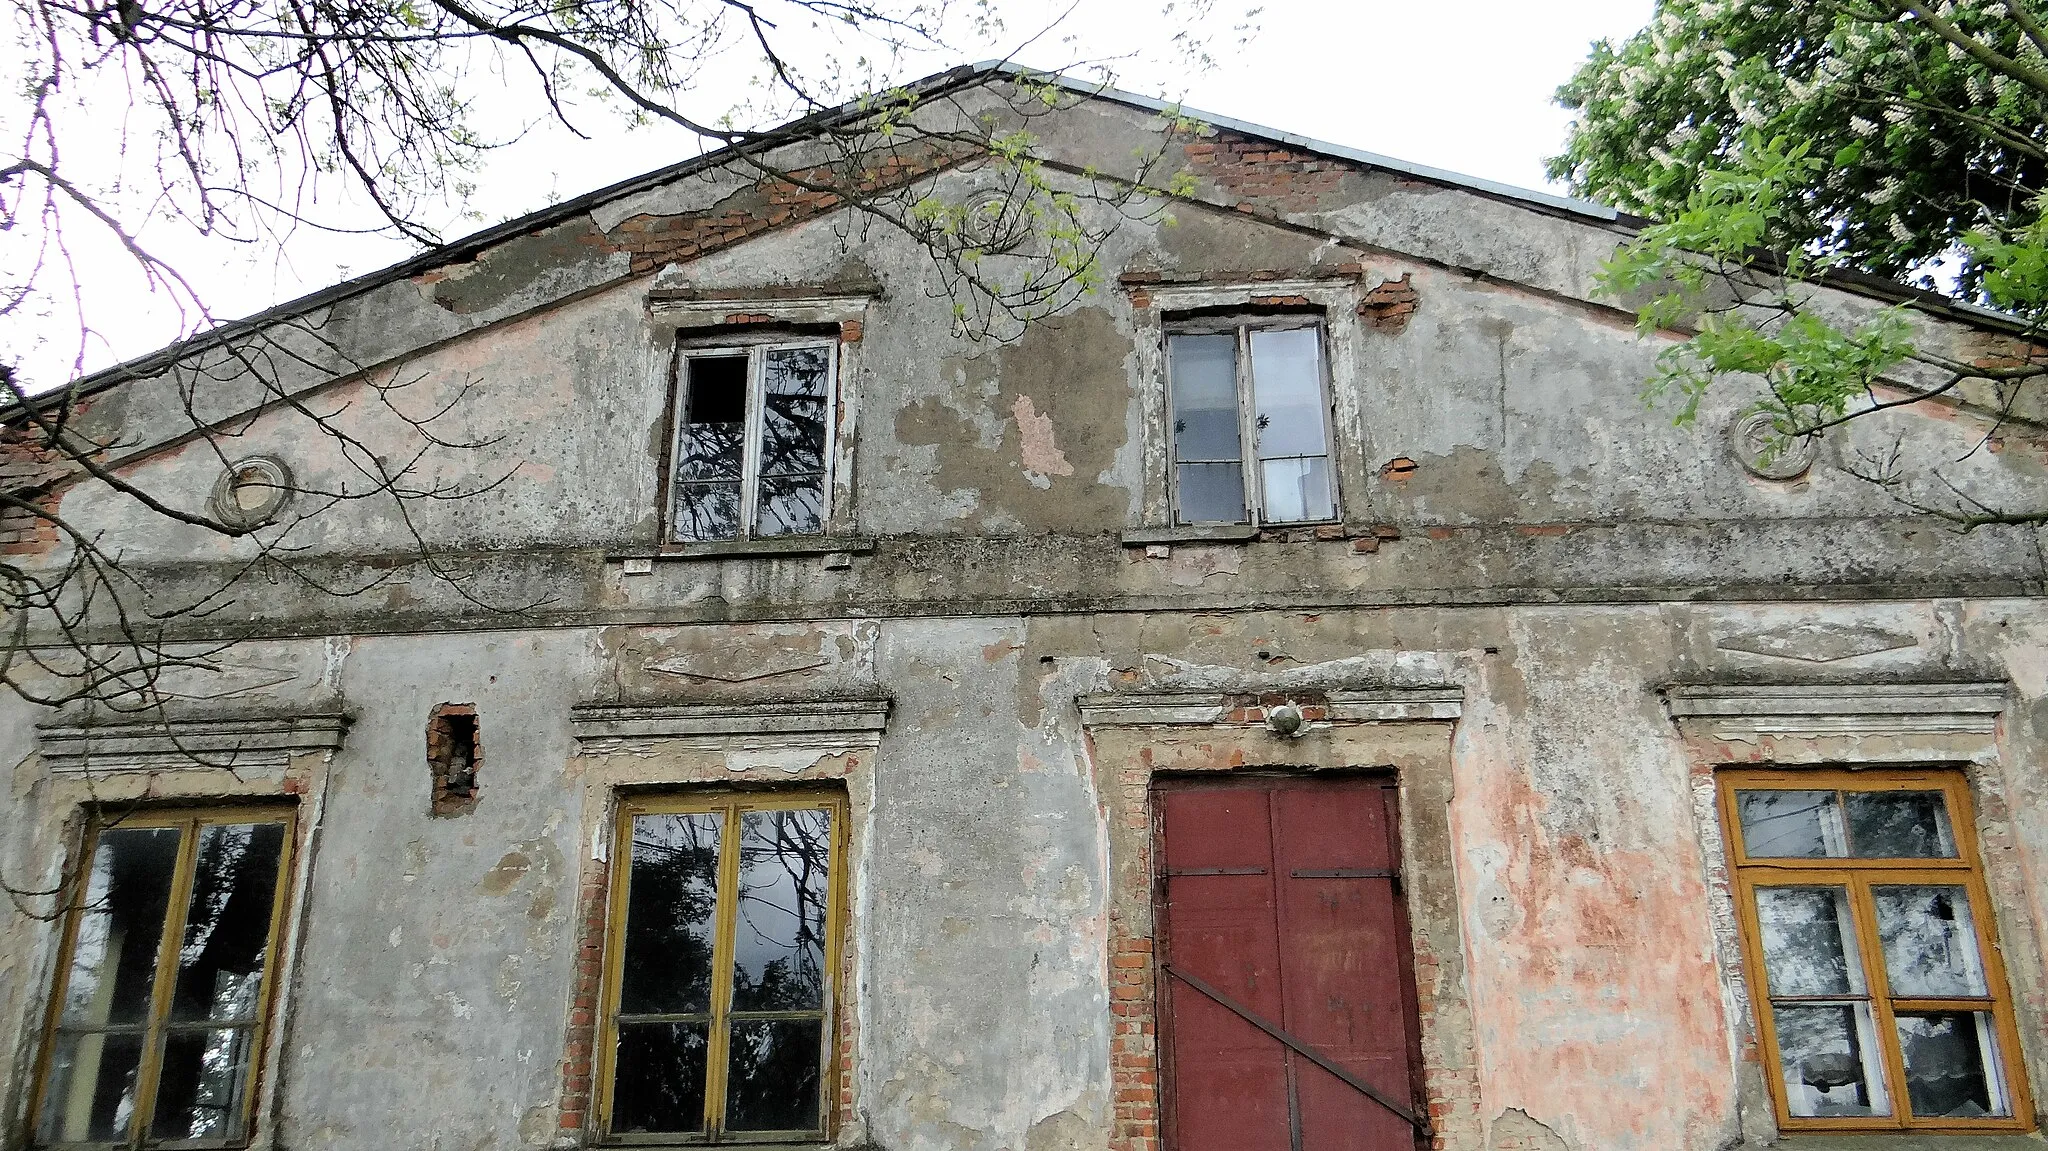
672,898
785,860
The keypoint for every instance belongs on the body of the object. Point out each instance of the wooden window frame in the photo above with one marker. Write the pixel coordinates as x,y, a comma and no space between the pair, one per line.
1242,326
1857,875
148,1072
731,804
755,350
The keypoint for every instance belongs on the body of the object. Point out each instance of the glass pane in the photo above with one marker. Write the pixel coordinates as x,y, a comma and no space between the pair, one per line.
227,924
1930,941
1809,939
1204,397
1790,824
671,904
658,1082
779,937
1287,393
1952,1066
775,1076
202,1084
1211,493
1829,1061
91,1095
1900,825
121,926
707,511
793,412
791,505
1297,490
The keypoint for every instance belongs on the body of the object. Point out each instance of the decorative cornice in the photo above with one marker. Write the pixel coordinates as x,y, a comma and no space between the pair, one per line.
232,741
1187,709
822,723
1751,710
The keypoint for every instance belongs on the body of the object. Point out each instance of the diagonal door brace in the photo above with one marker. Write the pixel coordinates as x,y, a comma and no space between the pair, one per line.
1297,1046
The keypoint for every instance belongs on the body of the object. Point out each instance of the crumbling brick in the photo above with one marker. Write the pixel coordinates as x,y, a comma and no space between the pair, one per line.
1388,306
455,757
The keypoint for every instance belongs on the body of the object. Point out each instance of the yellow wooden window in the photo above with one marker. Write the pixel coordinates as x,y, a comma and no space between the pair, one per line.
161,1001
1872,957
721,964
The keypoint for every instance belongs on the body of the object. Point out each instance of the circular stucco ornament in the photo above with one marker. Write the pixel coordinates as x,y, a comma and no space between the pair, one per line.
252,492
1765,454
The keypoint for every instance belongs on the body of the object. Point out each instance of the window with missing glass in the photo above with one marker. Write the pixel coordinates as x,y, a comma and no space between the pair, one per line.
161,1003
722,960
752,442
1873,963
1248,404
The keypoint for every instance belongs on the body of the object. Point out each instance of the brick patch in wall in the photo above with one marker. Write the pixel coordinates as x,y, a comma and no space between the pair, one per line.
1388,306
1260,175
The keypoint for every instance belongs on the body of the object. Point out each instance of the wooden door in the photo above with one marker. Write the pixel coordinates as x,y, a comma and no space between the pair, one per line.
1286,1007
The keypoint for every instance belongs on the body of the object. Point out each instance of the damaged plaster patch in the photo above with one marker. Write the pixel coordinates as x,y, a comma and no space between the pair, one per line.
1515,1130
1038,451
1189,566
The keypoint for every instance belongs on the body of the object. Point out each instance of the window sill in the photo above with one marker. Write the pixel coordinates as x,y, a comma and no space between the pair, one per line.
1190,533
1897,1140
743,549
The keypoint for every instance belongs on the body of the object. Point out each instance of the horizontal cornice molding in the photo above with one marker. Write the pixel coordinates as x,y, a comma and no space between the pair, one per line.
821,723
243,741
1189,709
1750,710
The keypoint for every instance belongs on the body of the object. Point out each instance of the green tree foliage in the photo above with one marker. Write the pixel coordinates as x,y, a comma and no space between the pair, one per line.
1779,145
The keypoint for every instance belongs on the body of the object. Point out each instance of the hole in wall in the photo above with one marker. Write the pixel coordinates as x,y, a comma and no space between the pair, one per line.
455,757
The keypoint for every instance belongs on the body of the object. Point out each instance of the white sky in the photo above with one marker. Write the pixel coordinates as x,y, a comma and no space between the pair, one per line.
1463,85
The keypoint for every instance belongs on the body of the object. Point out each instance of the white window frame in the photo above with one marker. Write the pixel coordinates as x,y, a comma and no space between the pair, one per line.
756,353
1247,417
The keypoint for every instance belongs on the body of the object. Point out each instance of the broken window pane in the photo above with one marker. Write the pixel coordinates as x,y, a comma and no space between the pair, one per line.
1790,824
658,1084
792,468
1809,940
1209,479
1900,825
227,922
775,1075
201,1085
1292,422
90,1097
113,962
1829,1060
671,903
1952,1065
1930,941
710,448
785,881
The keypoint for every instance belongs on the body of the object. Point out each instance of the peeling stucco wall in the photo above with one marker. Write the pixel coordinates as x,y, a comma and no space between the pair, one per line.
1551,554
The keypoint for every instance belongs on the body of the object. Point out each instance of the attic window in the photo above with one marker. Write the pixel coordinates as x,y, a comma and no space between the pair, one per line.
1250,413
752,442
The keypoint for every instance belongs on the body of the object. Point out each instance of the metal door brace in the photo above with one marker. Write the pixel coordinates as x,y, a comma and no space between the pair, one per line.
1296,1045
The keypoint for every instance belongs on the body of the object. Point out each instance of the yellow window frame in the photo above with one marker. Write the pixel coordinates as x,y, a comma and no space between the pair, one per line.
1859,875
188,821
732,805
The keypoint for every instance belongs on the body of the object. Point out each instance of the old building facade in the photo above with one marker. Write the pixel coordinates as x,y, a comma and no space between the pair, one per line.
1299,696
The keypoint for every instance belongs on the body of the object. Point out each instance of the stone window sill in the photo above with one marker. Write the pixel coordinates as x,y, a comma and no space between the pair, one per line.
746,549
1363,537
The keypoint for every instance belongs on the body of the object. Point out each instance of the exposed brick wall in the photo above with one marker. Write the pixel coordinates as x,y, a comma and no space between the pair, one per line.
592,911
30,470
1259,175
770,203
1388,306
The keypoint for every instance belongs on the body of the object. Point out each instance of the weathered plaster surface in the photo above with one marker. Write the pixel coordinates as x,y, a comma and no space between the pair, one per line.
1552,553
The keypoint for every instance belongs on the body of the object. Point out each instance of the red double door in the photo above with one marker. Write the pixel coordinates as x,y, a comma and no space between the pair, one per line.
1287,1012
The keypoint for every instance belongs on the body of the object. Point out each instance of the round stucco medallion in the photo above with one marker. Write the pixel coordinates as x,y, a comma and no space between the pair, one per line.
1765,454
252,492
